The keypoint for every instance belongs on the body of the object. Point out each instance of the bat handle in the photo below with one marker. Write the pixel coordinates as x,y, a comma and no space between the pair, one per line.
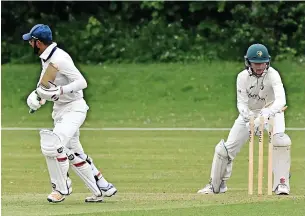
31,111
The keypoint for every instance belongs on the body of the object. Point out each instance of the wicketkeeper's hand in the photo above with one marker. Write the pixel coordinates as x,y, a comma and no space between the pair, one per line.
266,113
34,101
50,94
256,126
246,114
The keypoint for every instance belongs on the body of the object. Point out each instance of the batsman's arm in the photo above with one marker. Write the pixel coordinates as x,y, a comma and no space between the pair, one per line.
68,69
74,86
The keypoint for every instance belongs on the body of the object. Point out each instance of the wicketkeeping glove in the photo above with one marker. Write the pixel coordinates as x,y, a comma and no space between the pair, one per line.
266,113
246,114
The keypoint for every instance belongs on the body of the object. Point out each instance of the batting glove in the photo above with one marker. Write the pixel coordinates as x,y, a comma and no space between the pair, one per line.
50,94
34,101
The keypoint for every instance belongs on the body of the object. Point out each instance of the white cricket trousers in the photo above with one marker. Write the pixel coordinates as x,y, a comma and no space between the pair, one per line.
67,121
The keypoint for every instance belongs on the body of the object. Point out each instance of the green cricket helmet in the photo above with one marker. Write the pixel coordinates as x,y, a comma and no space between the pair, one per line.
257,53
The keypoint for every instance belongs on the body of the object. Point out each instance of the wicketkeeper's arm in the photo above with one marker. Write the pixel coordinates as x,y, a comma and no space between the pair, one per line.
242,98
279,93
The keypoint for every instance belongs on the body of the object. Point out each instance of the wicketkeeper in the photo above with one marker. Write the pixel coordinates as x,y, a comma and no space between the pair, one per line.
61,146
258,85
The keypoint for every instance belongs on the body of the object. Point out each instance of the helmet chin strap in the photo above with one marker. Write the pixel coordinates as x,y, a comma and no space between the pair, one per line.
252,72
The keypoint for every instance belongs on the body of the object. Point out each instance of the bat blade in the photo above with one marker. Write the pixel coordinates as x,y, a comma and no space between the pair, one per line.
49,75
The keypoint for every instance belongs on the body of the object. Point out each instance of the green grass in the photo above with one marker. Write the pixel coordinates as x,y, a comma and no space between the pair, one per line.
156,173
150,95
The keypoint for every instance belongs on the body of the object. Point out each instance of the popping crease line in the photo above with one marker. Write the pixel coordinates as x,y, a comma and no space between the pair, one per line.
134,129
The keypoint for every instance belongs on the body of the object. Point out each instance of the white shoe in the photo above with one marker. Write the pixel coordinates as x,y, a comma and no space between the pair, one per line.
282,188
94,199
208,189
106,192
109,191
56,196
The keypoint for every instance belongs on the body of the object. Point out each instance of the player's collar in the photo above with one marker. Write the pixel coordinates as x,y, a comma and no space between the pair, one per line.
48,52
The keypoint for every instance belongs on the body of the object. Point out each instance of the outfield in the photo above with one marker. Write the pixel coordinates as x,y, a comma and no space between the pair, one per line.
156,172
156,95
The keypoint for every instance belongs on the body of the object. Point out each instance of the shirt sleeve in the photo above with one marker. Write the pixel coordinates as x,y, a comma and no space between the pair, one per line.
242,97
67,68
279,92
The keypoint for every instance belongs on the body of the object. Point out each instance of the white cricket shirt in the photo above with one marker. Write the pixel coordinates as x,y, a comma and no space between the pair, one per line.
254,93
68,76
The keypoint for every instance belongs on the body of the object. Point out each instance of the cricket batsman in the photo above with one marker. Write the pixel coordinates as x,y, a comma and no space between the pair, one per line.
61,146
257,85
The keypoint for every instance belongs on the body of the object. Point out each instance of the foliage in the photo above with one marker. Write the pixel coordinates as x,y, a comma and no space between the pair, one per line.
157,31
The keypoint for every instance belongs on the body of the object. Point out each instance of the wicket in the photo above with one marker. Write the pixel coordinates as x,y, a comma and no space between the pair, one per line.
260,156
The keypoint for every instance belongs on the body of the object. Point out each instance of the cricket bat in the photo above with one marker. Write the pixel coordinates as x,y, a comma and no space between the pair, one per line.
48,76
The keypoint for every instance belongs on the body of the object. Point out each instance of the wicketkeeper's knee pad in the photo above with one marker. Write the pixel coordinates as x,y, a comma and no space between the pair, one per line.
221,149
219,165
281,159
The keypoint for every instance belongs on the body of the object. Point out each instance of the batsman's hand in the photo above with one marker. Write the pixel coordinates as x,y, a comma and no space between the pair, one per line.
50,94
34,101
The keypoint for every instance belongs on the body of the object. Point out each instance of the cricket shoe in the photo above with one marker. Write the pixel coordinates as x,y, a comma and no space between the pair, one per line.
94,199
109,191
56,196
282,188
208,189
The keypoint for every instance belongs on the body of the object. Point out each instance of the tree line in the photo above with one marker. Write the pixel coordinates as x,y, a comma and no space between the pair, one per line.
160,31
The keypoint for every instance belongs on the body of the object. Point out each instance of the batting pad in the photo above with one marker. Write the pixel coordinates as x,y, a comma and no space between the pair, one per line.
56,160
84,171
